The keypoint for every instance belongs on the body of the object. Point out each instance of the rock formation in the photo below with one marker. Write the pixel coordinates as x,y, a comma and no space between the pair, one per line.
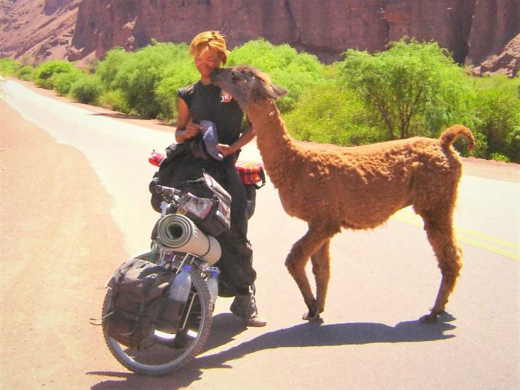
507,62
40,29
495,37
475,31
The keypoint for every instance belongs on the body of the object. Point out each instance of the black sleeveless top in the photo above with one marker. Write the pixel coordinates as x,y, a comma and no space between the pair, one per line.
207,102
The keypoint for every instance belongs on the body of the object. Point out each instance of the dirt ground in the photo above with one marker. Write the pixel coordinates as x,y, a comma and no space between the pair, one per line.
56,235
50,288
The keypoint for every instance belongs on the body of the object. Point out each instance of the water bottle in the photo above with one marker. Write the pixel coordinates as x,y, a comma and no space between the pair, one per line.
177,298
212,284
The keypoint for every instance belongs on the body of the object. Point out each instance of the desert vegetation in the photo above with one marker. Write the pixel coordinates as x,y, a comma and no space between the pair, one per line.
411,89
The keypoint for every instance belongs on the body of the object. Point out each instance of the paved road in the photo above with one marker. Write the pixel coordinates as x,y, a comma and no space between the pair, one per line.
382,282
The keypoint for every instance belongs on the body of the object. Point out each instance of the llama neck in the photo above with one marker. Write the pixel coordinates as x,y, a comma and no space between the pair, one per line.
274,142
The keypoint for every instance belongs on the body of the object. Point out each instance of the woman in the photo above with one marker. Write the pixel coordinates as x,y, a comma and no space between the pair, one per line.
203,101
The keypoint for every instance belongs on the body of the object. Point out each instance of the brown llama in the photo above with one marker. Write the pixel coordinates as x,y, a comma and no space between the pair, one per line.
352,187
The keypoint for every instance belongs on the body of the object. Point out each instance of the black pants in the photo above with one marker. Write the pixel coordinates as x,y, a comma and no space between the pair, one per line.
236,271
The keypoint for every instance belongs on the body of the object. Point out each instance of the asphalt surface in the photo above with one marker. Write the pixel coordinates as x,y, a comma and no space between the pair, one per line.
382,282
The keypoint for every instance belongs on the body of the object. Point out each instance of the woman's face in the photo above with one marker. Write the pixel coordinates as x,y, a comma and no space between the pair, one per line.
206,61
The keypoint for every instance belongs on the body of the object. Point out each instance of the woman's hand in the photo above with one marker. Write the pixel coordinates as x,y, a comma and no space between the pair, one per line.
186,129
191,130
226,150
245,138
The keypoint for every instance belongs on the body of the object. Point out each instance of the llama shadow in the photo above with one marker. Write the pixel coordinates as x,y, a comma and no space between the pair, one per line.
310,334
317,334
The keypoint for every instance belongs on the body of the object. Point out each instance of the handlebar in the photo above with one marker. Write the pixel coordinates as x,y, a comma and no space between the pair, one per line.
164,190
171,198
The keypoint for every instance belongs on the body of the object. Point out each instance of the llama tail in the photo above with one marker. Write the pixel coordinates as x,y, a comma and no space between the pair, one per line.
449,136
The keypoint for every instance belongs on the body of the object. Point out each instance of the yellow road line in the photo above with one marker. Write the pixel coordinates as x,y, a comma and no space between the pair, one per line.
481,240
492,248
488,238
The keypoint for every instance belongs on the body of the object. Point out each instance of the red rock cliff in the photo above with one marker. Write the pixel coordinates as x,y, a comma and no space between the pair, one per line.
475,31
324,28
42,29
494,41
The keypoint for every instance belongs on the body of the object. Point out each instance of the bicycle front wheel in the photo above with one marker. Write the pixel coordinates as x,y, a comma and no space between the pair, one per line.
170,352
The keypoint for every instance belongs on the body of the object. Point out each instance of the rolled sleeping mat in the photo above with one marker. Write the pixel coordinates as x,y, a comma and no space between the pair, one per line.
179,233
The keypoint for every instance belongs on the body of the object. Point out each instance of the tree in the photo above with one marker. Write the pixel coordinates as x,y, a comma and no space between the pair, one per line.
416,88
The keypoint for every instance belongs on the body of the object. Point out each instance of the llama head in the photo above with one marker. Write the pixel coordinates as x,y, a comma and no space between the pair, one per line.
246,84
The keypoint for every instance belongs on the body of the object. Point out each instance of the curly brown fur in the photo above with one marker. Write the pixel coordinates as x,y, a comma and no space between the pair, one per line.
352,187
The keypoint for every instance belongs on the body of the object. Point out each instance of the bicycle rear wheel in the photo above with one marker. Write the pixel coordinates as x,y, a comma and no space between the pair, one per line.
170,352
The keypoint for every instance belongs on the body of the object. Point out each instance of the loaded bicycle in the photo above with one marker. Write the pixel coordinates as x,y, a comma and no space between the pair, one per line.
157,312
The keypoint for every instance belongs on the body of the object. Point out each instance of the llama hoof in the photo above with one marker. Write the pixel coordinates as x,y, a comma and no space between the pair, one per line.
429,319
311,317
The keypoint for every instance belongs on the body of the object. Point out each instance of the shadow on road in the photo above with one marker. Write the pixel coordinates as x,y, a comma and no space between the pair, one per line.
225,328
316,334
310,334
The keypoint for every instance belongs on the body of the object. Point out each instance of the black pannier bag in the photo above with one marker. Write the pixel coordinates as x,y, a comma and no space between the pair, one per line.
175,155
207,204
139,289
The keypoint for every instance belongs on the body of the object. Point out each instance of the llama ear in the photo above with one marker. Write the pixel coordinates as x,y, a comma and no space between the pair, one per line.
275,92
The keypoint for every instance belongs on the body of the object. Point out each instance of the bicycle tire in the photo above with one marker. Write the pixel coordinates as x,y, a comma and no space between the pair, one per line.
166,356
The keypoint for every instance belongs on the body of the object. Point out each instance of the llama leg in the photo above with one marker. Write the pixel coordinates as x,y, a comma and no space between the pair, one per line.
296,261
321,269
441,237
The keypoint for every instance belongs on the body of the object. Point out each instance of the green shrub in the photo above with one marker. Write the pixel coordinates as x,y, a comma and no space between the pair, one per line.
108,69
63,81
491,82
166,90
114,100
500,157
9,66
86,90
513,140
497,112
44,74
480,150
332,114
26,73
288,69
138,75
413,88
